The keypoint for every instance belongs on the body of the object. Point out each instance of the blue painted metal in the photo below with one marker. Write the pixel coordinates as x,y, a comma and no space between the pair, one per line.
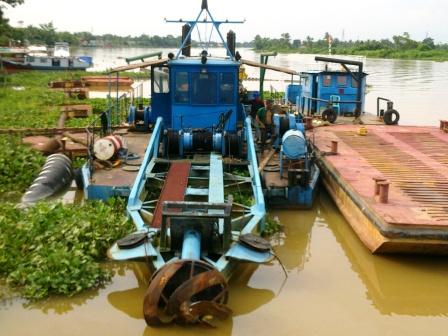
293,144
259,209
216,181
210,91
292,92
101,192
134,202
325,84
145,250
191,246
193,24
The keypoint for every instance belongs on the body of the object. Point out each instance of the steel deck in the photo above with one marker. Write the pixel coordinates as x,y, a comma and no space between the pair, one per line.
414,160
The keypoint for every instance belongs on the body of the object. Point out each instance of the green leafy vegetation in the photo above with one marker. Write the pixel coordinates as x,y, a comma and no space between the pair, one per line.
19,165
272,226
27,101
54,249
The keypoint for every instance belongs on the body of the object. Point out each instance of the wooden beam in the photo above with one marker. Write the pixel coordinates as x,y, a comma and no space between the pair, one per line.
139,65
269,67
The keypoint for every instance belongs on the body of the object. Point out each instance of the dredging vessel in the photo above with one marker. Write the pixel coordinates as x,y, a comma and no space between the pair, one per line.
196,198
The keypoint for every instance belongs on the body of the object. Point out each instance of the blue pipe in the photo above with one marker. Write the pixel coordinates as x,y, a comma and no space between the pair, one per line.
191,247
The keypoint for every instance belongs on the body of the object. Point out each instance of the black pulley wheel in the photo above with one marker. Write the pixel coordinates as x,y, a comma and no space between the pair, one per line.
284,126
391,117
329,115
132,240
255,242
172,142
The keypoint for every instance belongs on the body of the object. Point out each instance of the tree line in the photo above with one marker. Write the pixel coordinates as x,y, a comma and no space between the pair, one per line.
399,46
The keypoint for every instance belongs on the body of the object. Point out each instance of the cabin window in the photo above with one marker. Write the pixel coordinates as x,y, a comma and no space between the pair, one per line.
161,80
43,60
70,62
56,62
342,80
327,80
30,59
354,83
226,89
204,88
182,88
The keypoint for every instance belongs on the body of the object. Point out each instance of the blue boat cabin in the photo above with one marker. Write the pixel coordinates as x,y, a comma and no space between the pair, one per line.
318,88
197,95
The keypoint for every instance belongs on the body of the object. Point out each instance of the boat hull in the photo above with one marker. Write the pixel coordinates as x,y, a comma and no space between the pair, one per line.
11,66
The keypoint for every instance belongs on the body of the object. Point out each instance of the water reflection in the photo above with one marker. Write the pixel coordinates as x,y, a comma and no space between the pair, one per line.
62,304
129,301
243,299
398,284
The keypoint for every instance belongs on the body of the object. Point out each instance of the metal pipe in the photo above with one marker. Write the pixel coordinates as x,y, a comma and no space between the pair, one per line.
142,57
337,60
331,101
191,246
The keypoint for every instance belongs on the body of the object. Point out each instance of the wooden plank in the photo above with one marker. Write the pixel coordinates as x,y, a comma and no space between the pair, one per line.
173,188
139,65
269,67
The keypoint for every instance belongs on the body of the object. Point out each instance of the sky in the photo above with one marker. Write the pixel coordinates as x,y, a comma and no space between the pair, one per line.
343,19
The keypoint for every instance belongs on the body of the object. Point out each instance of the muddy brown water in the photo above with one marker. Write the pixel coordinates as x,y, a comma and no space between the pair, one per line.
334,285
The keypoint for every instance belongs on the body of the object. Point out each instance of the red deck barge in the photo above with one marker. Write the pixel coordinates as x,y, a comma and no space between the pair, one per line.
411,165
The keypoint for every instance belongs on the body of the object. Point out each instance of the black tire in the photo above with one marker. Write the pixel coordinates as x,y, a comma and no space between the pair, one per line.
329,115
391,117
78,178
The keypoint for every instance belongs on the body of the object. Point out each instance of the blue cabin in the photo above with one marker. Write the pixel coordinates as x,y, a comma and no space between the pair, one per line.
198,95
321,87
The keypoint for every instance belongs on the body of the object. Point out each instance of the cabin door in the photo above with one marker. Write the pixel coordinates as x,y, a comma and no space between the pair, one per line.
160,94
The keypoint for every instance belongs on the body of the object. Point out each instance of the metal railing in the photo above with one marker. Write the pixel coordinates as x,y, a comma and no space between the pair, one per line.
329,102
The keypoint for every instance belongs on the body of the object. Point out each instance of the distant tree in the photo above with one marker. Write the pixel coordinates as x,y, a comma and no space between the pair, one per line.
5,28
429,43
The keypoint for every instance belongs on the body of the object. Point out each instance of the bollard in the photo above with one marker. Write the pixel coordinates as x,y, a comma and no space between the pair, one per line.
443,125
334,147
384,191
308,123
376,180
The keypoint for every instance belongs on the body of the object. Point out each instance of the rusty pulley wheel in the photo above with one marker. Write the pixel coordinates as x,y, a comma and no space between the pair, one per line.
186,291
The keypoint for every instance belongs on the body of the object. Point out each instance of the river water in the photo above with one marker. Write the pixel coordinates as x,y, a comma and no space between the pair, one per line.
334,285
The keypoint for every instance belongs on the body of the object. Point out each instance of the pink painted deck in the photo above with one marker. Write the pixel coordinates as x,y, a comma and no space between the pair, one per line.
414,160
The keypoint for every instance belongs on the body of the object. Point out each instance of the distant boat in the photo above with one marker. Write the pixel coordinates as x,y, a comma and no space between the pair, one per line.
38,58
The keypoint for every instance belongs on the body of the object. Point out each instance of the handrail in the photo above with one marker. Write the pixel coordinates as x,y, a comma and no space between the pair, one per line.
329,102
134,203
252,158
378,104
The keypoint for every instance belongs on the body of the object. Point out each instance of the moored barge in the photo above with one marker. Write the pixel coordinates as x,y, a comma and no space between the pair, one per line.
390,183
